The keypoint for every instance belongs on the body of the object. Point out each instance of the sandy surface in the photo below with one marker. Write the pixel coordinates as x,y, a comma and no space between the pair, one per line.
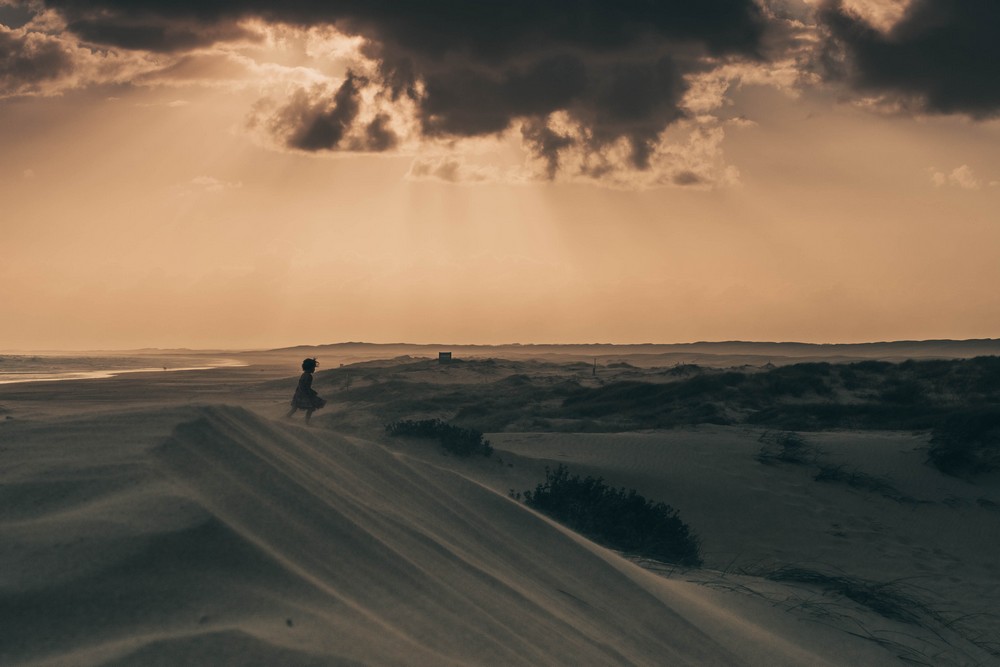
163,519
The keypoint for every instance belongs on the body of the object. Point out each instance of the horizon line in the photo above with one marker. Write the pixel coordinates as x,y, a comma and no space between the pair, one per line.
204,350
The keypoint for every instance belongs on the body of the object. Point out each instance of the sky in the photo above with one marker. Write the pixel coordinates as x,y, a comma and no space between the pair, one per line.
253,174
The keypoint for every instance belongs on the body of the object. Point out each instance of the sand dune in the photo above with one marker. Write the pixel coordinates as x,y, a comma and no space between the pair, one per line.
211,535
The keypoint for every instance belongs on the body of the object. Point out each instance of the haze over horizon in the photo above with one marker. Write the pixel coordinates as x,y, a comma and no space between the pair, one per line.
929,348
252,174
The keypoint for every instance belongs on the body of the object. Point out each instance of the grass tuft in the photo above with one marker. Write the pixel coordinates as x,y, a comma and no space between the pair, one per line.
888,599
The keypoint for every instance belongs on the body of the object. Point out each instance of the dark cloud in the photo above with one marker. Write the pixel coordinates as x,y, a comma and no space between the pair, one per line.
637,100
615,67
313,125
488,31
618,99
379,137
15,16
319,122
943,54
472,68
29,59
467,102
450,170
687,178
546,144
154,34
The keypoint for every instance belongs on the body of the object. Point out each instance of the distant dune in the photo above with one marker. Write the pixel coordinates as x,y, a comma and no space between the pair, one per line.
716,354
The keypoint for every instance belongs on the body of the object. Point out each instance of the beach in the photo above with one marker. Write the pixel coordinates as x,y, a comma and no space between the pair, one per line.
20,368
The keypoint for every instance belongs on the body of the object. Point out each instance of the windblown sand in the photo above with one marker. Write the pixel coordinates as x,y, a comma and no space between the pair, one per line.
153,521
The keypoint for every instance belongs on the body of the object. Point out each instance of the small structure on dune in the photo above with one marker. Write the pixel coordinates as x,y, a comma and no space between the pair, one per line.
444,357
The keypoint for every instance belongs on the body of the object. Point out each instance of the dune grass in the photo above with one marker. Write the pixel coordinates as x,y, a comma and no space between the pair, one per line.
891,600
830,595
857,479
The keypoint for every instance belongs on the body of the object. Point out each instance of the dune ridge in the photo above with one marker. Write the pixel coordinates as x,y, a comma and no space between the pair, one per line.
140,526
239,540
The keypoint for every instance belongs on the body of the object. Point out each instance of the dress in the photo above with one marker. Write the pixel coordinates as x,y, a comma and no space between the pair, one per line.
305,397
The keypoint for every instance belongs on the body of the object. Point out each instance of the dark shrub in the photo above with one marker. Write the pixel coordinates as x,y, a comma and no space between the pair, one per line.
967,443
456,440
857,479
872,366
985,378
797,380
901,391
784,448
819,416
617,398
617,518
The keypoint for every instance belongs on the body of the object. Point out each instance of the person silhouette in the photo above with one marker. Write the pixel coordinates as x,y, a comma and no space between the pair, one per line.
305,397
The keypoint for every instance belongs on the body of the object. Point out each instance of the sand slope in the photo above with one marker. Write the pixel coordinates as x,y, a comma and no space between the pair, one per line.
214,536
930,536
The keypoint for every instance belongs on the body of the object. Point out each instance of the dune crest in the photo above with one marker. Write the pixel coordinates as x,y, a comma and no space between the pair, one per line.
265,543
416,563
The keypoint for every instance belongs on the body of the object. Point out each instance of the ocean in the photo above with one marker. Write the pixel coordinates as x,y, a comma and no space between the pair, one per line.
50,368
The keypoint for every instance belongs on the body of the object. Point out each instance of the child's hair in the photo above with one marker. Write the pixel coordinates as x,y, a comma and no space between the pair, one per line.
309,365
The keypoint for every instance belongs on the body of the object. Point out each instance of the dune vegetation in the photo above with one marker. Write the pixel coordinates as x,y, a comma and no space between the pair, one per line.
618,518
957,401
454,439
169,518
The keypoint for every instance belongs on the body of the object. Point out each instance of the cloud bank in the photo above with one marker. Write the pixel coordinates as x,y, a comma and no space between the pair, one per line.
614,71
592,88
940,56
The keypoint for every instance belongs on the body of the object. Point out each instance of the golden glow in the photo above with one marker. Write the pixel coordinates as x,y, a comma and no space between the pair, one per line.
153,218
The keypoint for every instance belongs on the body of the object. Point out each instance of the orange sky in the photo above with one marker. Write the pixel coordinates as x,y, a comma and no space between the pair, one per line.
148,212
